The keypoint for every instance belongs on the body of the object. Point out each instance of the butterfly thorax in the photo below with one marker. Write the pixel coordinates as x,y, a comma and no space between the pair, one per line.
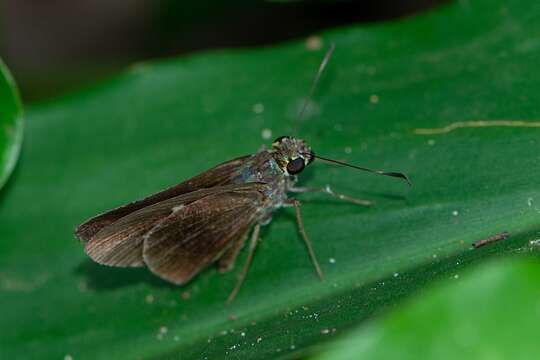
277,168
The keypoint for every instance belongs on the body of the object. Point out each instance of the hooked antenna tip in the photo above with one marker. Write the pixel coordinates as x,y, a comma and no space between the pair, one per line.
399,175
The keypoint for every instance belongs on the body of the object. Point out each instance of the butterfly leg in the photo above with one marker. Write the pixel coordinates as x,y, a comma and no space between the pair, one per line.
227,260
251,251
302,231
329,191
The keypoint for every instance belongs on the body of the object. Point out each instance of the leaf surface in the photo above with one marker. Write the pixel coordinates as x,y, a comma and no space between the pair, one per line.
160,123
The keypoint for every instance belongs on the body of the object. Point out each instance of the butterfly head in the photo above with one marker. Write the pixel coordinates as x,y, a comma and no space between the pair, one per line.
291,154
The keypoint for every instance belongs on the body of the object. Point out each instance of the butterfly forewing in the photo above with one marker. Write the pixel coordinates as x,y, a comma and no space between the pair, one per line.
221,174
196,235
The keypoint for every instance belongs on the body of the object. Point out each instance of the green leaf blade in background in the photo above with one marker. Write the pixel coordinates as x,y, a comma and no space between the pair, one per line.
159,124
490,313
11,124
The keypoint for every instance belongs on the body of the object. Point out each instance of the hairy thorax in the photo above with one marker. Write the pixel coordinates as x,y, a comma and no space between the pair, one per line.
264,169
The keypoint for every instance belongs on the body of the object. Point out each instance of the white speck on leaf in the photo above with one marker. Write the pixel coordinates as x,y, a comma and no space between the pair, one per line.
266,134
258,108
534,243
374,99
455,213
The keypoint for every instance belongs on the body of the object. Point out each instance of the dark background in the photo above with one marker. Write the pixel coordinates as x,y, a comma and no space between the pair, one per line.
53,46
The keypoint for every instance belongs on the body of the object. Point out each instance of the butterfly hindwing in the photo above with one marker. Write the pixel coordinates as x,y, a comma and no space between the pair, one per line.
121,243
196,235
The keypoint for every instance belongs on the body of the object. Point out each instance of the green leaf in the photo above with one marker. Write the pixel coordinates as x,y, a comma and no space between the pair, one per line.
159,124
11,124
491,313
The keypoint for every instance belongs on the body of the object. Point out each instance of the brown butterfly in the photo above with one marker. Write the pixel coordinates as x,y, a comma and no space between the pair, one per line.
205,220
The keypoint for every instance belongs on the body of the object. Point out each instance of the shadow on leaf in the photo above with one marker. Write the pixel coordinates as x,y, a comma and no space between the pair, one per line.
103,278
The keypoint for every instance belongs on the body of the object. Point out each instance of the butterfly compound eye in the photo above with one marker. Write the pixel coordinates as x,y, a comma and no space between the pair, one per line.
295,166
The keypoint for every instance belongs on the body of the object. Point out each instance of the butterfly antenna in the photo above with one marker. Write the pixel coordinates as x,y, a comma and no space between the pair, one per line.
378,172
322,66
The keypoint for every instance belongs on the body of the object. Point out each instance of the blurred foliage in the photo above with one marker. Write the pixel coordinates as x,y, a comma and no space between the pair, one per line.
11,126
491,313
55,47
